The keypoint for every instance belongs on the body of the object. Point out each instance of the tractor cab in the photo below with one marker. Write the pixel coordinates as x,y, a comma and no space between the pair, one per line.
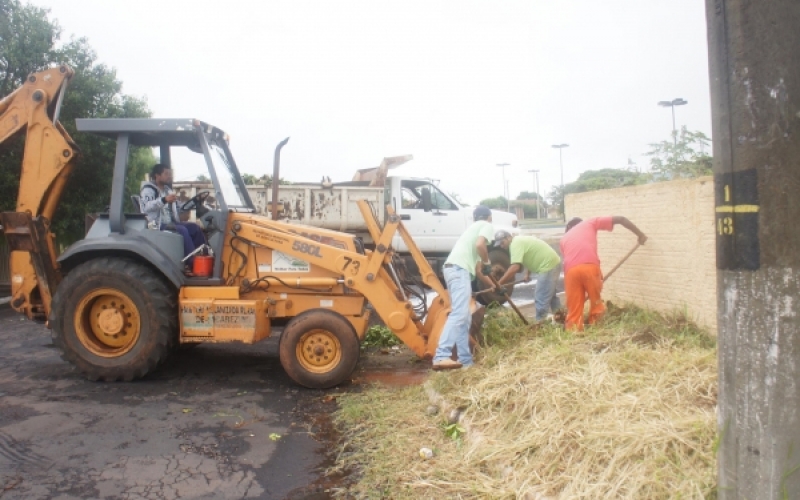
130,230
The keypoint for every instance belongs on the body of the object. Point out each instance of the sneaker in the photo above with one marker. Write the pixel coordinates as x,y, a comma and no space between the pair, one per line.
446,364
467,367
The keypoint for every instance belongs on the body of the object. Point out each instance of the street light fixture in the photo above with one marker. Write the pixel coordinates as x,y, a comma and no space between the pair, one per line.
536,187
671,104
560,148
503,166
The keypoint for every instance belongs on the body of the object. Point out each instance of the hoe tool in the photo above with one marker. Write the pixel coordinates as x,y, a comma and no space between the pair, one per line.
508,297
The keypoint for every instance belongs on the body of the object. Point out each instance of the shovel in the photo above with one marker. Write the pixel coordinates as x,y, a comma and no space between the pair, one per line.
492,289
605,278
508,298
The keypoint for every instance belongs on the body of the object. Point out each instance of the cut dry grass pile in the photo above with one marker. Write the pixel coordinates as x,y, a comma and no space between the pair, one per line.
624,410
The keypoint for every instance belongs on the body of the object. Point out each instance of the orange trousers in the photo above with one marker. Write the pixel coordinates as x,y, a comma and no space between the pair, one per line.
580,281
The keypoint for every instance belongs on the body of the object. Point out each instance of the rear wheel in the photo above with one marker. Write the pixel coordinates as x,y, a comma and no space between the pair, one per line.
500,264
114,319
319,349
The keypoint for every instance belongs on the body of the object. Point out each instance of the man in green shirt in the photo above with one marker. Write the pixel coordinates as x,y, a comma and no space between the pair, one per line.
468,259
536,257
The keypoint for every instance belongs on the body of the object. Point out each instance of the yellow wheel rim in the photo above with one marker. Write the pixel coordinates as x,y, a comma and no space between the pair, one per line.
319,351
107,323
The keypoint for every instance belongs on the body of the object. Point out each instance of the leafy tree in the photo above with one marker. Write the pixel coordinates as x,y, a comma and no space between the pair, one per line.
28,44
680,158
593,180
266,180
530,208
499,203
250,179
203,178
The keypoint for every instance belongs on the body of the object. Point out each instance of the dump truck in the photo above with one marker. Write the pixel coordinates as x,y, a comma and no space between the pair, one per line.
118,301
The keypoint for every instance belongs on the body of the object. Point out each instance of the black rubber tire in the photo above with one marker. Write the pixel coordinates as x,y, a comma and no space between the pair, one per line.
154,298
326,323
500,263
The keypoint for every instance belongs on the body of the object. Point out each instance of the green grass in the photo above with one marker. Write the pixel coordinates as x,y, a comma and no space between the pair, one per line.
624,409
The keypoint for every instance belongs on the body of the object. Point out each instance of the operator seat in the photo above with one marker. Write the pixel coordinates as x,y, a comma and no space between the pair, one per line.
137,203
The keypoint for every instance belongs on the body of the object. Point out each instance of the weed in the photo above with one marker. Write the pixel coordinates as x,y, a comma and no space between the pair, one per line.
380,336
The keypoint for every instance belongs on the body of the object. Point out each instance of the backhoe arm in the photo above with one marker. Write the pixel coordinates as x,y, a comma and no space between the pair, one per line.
47,162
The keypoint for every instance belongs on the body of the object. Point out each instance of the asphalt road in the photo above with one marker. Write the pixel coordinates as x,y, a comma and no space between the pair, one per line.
217,422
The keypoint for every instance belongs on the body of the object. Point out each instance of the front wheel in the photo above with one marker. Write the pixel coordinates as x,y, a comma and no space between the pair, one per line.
319,349
114,319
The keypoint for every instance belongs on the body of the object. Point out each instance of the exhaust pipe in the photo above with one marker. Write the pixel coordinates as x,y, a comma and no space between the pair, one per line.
276,171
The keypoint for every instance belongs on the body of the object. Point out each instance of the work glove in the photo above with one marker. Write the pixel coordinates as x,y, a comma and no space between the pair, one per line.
486,269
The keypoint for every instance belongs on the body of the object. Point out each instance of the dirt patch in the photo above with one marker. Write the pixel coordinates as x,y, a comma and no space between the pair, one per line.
394,366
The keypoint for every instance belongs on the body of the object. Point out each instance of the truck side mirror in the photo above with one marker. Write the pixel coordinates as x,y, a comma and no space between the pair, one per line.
426,199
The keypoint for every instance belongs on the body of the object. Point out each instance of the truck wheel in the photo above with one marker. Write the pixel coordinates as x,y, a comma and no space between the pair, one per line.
114,319
500,263
319,349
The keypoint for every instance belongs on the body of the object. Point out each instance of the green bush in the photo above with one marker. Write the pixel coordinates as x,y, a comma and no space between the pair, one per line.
380,336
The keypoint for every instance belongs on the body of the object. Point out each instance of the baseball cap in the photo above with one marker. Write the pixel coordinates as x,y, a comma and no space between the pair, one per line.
500,236
481,212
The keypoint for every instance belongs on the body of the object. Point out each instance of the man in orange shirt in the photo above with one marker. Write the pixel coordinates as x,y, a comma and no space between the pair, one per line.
582,275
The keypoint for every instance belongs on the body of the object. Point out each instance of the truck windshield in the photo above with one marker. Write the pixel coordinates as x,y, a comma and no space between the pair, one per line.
225,175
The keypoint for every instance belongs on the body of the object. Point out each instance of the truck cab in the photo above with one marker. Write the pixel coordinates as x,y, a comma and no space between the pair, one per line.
435,218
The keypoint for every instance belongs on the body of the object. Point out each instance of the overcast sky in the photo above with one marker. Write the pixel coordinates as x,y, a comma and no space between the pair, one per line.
461,85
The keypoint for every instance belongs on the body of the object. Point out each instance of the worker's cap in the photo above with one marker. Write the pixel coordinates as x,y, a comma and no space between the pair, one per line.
572,223
482,212
501,235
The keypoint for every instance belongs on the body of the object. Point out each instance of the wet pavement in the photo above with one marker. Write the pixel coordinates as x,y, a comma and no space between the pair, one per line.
218,422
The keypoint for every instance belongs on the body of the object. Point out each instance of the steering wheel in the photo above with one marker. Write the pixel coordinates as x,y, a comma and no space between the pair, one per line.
195,201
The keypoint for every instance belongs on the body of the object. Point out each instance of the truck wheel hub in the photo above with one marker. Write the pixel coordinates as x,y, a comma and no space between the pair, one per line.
107,322
110,321
319,351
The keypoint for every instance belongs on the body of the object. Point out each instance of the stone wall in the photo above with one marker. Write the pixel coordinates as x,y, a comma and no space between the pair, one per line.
676,268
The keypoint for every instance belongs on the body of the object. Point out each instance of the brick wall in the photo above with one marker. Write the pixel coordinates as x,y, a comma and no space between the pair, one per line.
676,268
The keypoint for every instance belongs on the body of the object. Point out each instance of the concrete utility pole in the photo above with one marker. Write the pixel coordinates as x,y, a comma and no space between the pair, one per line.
536,187
560,148
505,186
754,66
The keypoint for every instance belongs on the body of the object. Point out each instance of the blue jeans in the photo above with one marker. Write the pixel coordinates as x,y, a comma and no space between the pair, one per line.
193,237
456,328
545,294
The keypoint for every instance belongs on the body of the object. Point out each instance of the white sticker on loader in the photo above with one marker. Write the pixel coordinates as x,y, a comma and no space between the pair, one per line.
264,268
282,263
326,303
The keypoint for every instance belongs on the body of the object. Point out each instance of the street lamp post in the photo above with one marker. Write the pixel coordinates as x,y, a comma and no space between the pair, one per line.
536,187
675,102
560,148
503,166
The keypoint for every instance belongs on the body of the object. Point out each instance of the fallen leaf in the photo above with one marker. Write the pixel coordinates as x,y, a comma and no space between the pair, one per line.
274,436
187,410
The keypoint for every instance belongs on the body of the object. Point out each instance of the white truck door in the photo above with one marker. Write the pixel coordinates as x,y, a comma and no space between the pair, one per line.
431,217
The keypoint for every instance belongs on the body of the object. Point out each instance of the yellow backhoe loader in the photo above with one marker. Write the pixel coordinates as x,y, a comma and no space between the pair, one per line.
118,301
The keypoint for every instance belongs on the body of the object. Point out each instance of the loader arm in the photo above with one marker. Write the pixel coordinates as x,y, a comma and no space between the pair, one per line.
369,274
49,156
